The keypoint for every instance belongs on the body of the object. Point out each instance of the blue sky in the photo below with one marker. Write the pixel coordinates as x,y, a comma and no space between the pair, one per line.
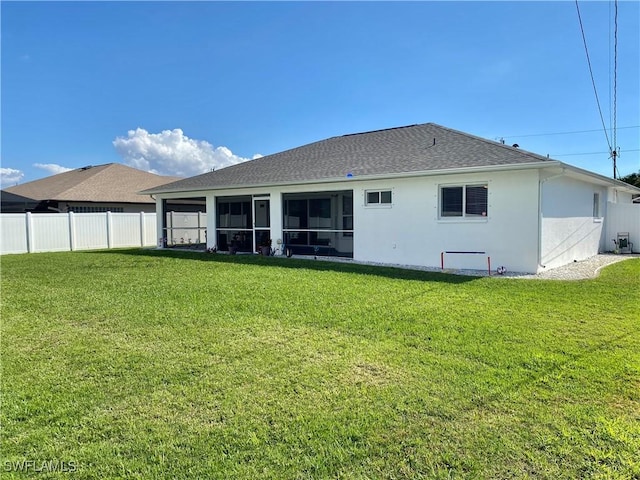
183,87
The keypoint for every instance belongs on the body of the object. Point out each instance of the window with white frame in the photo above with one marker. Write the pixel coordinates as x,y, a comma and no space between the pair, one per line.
596,205
464,201
377,197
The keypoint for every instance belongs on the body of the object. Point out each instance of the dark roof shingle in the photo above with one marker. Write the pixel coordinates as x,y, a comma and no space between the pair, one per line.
401,150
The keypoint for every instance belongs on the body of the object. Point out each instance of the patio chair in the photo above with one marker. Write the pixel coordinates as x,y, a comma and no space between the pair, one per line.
623,243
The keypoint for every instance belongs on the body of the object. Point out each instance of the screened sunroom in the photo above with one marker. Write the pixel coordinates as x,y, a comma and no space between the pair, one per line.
317,223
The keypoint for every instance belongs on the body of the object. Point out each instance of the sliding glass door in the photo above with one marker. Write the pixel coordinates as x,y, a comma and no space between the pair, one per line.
243,223
262,223
234,225
319,223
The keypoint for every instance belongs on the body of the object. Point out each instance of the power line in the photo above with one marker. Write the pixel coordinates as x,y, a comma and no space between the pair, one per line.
614,151
563,133
615,73
610,38
591,153
593,82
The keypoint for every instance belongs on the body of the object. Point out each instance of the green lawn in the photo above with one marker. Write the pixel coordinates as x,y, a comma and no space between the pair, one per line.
146,364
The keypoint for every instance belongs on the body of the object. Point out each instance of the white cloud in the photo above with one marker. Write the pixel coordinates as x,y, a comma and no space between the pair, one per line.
171,152
52,168
10,177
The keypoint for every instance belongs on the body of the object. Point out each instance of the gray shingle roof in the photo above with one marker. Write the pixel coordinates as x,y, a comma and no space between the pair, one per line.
401,150
111,182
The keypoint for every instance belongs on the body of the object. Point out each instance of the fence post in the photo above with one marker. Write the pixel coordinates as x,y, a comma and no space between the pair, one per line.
170,229
72,231
29,222
142,229
109,230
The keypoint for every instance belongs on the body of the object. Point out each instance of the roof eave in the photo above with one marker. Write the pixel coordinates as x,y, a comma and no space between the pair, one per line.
421,173
602,179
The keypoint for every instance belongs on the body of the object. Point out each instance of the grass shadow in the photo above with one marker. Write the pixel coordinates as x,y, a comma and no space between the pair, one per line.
397,273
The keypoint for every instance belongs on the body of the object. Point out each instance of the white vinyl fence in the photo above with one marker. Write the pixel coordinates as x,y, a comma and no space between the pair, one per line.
623,217
186,228
56,232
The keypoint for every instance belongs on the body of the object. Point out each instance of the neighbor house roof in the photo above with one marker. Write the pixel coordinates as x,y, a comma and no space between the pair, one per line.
111,182
403,150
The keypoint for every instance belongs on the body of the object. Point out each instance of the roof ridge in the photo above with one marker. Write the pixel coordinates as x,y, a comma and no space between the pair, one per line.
92,174
380,130
494,143
89,167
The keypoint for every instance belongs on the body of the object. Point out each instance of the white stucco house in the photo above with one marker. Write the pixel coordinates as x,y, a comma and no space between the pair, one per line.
406,195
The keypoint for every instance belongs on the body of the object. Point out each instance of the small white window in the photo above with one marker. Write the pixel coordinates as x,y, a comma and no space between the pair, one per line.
378,197
596,205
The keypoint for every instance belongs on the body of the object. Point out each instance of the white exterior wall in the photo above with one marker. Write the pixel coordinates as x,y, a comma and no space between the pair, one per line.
616,196
535,220
570,232
622,217
411,232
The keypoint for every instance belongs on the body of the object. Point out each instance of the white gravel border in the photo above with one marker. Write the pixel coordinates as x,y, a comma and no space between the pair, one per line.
584,269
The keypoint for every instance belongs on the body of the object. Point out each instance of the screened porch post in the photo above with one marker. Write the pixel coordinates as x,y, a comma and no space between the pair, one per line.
211,221
161,223
276,218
